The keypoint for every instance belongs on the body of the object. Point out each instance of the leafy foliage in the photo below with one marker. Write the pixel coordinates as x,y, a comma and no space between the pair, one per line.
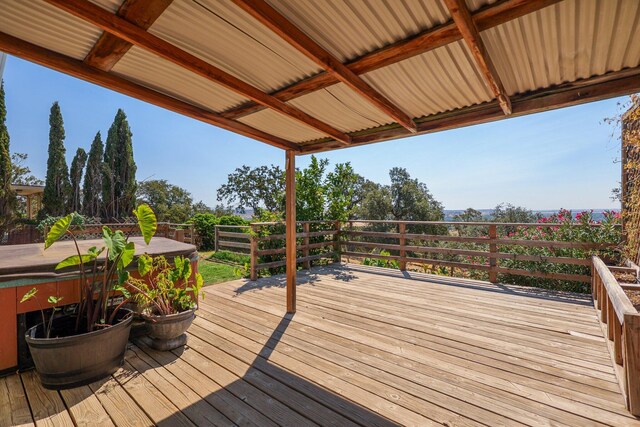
57,186
92,186
75,176
7,196
258,188
98,279
164,289
170,202
119,170
204,224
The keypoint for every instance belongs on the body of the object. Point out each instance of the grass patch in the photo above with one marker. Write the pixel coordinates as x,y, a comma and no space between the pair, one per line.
215,272
229,257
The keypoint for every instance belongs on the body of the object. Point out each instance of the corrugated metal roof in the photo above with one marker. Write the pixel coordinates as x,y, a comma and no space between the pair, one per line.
53,29
154,72
225,36
571,40
440,80
350,28
279,125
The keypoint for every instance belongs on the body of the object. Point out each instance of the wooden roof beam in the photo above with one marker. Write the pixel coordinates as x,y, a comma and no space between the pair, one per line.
597,88
488,17
64,64
286,30
129,32
463,19
109,49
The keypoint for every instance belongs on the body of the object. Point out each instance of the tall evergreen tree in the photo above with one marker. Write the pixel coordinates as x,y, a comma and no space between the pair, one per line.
7,196
92,187
75,175
119,178
57,186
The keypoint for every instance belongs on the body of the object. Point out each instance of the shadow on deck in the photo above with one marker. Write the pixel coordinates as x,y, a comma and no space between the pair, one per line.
369,347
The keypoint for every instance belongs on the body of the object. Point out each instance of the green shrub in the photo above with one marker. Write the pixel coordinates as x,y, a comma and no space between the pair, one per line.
76,220
205,223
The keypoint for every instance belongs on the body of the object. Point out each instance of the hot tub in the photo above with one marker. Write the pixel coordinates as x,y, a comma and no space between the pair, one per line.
23,267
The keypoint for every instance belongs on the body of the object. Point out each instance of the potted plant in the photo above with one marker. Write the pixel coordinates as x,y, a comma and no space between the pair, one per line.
89,344
167,297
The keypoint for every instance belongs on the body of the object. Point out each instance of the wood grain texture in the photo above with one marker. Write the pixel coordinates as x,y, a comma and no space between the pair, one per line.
109,49
64,64
46,406
367,347
135,35
14,408
290,215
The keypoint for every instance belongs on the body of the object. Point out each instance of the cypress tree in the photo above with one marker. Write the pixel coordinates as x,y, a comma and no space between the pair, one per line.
75,175
57,186
119,178
7,196
92,205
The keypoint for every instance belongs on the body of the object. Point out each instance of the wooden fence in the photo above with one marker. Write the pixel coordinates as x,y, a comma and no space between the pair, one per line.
621,322
357,239
421,243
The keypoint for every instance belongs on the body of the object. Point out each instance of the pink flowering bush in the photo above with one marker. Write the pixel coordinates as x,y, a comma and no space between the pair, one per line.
563,227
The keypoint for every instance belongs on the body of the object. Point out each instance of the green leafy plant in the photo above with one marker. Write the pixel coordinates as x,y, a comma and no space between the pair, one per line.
386,263
162,288
99,276
47,324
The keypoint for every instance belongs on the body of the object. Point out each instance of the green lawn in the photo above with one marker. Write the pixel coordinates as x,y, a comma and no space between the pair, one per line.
215,272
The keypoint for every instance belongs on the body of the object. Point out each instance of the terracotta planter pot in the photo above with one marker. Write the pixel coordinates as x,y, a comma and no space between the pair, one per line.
168,332
75,360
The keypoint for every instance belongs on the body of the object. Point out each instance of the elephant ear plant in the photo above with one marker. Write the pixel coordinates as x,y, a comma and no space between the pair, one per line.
89,344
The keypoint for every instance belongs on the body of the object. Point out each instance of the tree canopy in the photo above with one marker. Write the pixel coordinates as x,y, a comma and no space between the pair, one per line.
92,185
169,202
119,171
57,186
7,196
75,176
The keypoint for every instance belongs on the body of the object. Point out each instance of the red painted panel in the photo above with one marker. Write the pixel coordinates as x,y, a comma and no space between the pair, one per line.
9,329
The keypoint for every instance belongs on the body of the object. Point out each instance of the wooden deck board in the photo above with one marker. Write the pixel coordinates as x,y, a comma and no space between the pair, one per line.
367,347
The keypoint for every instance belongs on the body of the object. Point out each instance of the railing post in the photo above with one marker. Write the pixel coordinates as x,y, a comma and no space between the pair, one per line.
306,228
402,228
253,252
337,247
493,248
215,238
632,360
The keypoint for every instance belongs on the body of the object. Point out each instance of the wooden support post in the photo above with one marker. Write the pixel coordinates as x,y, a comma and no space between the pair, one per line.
29,211
337,246
617,341
215,238
402,229
605,307
632,361
612,319
493,248
253,252
306,228
290,212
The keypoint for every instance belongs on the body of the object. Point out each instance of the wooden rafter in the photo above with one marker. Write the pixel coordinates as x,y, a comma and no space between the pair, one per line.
433,38
56,61
286,30
464,21
109,49
125,30
596,88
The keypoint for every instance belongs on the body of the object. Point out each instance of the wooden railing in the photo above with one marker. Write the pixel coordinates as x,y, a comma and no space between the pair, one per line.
346,238
621,323
490,241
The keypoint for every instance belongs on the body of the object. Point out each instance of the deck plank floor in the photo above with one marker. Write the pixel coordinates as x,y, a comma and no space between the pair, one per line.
368,347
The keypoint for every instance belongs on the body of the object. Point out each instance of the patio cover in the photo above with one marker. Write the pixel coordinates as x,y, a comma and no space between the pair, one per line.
310,76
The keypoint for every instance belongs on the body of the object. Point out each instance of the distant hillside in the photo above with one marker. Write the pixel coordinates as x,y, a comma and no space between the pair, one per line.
598,214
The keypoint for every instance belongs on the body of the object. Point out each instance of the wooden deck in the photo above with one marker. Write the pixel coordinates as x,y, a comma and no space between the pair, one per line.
367,347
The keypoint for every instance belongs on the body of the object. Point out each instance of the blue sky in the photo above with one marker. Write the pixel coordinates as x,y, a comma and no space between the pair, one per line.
562,158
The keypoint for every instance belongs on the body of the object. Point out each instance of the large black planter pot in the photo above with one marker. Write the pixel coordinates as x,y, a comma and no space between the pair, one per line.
72,361
168,332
